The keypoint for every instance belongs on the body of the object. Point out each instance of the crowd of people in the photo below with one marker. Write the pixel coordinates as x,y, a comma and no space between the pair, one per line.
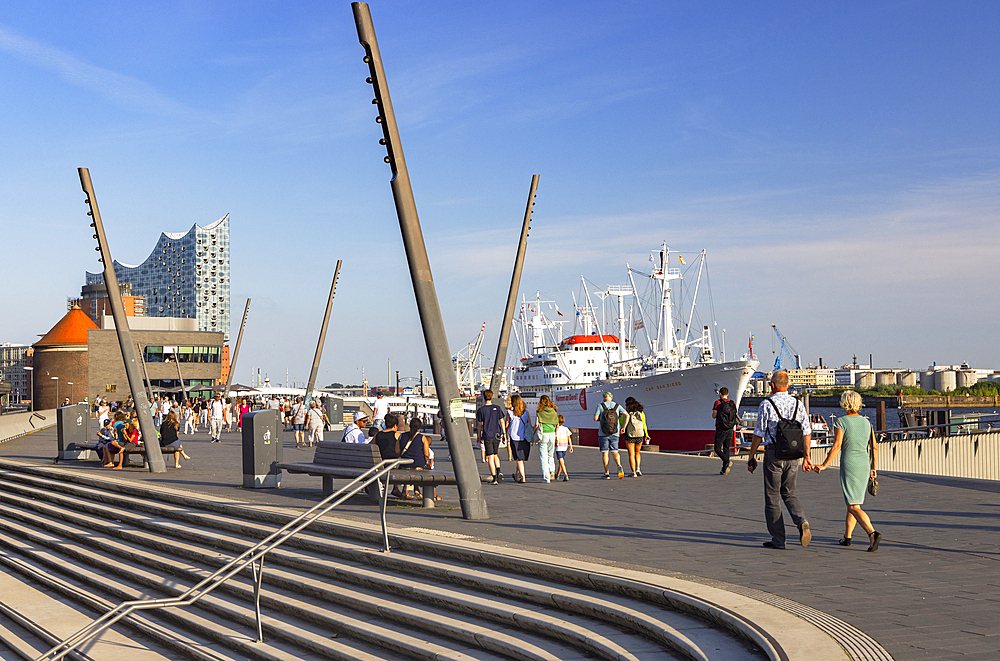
782,432
511,428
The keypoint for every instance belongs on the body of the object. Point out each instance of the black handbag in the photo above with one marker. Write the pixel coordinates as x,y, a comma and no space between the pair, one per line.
872,482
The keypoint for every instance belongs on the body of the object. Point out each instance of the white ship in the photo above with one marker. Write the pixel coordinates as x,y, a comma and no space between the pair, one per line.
676,378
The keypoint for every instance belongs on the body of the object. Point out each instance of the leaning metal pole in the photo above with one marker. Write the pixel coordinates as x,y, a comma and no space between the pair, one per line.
322,336
515,284
236,352
154,458
470,488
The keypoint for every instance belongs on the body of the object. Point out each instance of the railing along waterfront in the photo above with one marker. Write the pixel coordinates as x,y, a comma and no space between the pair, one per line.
252,557
918,450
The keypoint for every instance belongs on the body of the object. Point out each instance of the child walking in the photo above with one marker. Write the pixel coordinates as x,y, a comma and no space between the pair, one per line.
564,444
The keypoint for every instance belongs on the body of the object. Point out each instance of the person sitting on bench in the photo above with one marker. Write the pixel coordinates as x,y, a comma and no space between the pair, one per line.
169,438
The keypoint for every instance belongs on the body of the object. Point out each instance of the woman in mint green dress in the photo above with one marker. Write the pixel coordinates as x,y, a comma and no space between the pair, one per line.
856,467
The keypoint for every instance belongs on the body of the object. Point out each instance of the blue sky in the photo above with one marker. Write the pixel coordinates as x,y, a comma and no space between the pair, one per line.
839,163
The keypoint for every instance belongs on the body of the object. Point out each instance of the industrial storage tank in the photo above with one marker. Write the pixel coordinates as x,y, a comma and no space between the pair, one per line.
927,380
864,380
967,378
906,379
946,380
885,378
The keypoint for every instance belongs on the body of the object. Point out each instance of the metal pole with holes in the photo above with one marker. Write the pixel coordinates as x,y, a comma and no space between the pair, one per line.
322,336
236,352
515,284
470,488
154,459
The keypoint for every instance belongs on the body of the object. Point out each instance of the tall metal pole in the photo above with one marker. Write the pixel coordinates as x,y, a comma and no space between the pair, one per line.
515,284
236,353
154,458
177,361
322,336
470,488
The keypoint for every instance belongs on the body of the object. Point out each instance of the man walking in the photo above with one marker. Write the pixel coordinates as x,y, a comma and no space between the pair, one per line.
380,407
726,419
779,474
492,423
609,416
215,417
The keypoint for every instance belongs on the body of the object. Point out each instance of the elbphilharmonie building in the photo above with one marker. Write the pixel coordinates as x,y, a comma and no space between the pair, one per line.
186,275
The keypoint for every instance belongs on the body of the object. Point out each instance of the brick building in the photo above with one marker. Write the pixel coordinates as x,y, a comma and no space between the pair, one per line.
60,359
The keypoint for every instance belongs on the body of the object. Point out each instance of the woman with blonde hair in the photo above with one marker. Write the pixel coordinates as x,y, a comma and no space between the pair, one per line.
856,466
546,421
519,430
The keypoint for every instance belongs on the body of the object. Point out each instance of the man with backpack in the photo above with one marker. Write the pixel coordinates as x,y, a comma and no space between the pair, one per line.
726,420
783,428
608,416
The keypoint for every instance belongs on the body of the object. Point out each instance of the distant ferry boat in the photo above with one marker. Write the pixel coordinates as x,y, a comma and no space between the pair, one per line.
677,380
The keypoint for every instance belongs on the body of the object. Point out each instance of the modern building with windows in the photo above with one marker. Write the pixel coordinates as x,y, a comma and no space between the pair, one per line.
13,358
186,275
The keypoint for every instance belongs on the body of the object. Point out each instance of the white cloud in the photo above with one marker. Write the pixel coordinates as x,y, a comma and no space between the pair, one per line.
125,91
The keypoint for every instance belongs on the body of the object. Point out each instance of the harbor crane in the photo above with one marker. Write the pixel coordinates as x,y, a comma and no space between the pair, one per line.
468,365
786,357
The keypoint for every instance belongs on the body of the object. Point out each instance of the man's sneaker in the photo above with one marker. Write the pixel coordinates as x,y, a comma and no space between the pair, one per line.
772,545
499,477
621,473
729,467
565,478
638,473
805,536
607,476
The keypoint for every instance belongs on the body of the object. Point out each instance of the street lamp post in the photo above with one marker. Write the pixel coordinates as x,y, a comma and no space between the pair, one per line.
72,397
56,379
31,393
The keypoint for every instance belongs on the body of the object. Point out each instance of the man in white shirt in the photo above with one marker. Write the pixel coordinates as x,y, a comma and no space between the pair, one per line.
780,474
380,406
215,417
353,433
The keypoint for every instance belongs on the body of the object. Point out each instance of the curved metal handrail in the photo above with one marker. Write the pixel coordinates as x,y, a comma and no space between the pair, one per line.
249,557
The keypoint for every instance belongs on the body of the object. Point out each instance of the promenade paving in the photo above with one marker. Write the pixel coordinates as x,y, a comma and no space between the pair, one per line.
930,592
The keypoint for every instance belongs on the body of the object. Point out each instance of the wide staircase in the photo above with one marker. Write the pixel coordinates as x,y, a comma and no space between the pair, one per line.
91,541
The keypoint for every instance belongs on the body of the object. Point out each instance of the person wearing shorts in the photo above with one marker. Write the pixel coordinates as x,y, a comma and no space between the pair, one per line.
564,444
492,423
608,440
299,412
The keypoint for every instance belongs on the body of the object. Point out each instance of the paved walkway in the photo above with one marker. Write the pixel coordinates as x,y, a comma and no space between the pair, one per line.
930,592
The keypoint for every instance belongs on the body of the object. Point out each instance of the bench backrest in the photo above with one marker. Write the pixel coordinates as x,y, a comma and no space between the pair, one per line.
347,455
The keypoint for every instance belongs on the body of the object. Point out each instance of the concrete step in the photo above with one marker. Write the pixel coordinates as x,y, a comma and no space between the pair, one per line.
429,598
678,631
336,605
35,620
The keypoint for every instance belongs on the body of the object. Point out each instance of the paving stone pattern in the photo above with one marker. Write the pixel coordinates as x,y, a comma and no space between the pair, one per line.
930,592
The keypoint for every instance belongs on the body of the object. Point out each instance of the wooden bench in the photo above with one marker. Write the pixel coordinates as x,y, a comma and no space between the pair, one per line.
349,460
128,453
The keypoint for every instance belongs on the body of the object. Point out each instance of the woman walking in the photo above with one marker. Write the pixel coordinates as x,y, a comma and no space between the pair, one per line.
856,466
546,421
635,433
519,430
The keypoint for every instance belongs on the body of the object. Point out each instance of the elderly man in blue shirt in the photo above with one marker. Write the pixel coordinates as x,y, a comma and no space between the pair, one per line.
780,474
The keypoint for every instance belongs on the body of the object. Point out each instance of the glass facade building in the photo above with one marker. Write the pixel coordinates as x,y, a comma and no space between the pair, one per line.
186,275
